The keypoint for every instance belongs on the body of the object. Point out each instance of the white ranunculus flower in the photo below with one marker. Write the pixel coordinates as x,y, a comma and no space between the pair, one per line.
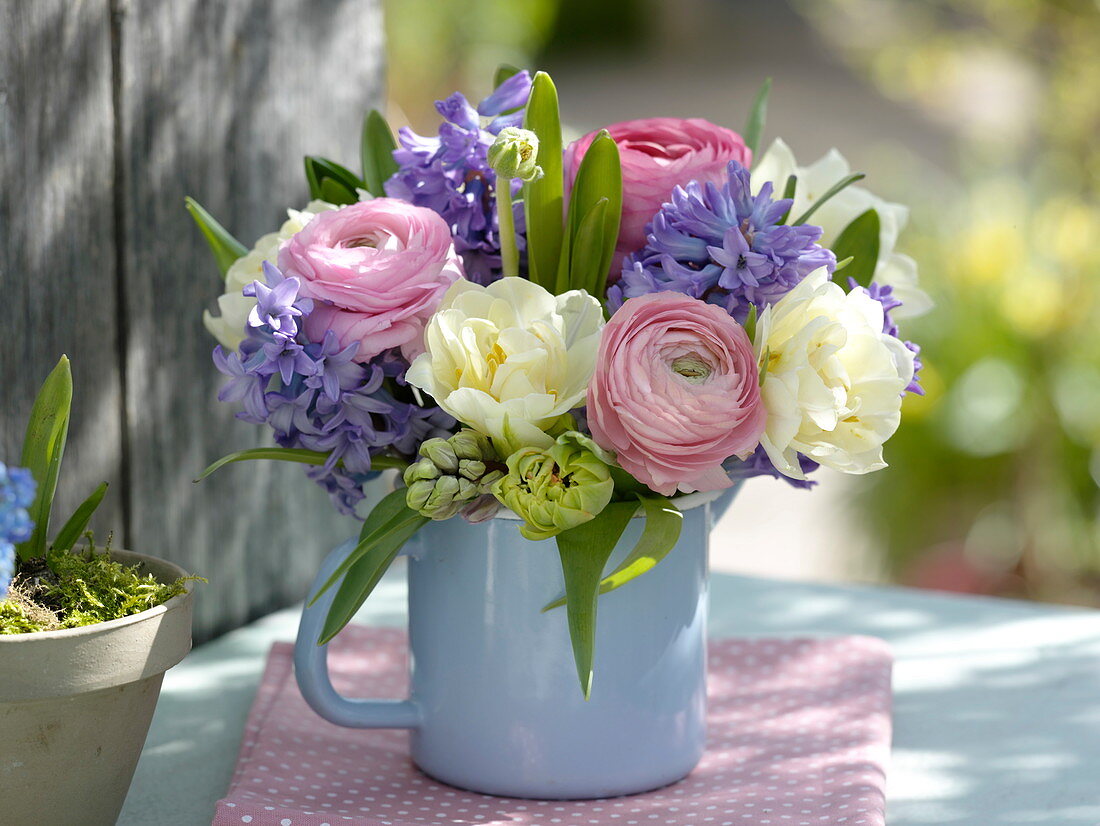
833,381
510,358
229,326
893,269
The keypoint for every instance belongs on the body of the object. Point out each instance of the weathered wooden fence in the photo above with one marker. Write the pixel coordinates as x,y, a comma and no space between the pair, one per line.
111,111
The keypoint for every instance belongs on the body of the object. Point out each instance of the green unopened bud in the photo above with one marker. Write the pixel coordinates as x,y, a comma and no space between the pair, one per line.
422,469
451,474
555,489
469,444
441,454
514,154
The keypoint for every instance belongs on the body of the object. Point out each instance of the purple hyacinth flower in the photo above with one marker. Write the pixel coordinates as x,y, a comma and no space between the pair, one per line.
884,295
450,174
758,464
511,94
276,304
244,386
724,246
335,370
288,357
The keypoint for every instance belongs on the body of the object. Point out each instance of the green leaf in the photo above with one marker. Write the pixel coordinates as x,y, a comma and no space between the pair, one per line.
788,192
840,185
376,151
43,447
391,520
860,242
331,182
294,454
750,323
78,522
842,263
364,574
662,531
543,198
584,550
599,176
754,126
225,247
504,72
587,246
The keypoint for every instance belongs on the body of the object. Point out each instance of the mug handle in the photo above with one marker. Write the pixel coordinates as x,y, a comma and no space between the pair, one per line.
311,666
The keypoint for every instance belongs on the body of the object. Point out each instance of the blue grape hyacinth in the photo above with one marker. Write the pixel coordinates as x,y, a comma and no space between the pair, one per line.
16,495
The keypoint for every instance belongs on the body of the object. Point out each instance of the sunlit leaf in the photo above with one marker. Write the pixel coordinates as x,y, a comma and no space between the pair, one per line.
598,176
584,551
376,148
225,247
859,242
543,198
43,448
341,182
294,454
839,186
662,531
361,577
78,522
754,126
389,520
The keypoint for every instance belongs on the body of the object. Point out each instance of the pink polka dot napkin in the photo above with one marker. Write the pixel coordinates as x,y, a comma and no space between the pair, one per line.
799,736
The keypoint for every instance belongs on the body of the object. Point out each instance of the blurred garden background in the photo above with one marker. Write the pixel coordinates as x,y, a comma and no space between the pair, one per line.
983,115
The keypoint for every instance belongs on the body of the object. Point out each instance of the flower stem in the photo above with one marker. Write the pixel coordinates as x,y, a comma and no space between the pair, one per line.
509,252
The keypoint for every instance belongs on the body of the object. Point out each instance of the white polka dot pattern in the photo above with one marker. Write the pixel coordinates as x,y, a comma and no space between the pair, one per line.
799,735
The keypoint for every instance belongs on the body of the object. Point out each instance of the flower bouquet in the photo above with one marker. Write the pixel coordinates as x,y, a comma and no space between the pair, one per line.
576,334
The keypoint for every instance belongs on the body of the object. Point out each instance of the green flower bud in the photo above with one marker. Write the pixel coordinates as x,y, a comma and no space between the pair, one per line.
555,489
442,455
451,474
469,444
514,154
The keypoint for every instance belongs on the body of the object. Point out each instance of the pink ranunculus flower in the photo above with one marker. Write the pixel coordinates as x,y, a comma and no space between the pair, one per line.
676,392
377,270
657,155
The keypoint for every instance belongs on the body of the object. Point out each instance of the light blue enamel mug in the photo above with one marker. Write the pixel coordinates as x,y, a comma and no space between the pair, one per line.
495,706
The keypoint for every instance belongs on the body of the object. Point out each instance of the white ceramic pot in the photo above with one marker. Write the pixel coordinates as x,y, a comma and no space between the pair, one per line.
75,707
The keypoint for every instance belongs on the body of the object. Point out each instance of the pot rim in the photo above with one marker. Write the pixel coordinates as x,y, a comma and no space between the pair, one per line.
128,557
685,502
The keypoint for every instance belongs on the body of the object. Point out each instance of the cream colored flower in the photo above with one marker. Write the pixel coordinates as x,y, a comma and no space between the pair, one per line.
228,327
509,359
893,269
833,381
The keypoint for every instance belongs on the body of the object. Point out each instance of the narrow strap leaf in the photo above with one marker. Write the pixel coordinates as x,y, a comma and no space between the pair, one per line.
754,126
840,185
599,176
330,181
584,551
225,247
859,242
788,192
78,522
390,518
294,454
362,577
662,531
543,198
376,148
43,447
587,246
